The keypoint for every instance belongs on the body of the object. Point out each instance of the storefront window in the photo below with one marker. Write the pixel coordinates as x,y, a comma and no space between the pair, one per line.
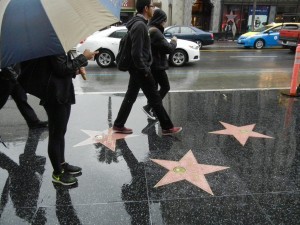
287,14
231,20
261,17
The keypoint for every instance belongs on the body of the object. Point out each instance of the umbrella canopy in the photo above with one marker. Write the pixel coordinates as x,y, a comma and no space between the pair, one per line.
34,28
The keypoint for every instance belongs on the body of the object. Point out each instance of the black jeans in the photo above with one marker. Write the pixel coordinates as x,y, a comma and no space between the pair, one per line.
13,88
147,83
161,79
58,118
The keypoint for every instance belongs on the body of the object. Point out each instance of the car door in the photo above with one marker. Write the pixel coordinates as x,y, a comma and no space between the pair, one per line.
272,36
187,33
172,31
114,39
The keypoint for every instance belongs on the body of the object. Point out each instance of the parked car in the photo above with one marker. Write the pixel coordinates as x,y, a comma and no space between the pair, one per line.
190,33
266,36
107,43
289,36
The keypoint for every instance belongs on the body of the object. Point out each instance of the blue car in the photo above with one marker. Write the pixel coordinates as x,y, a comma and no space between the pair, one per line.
266,36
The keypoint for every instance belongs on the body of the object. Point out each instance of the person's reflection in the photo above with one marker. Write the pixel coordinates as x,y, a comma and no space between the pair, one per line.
24,181
65,212
155,142
135,194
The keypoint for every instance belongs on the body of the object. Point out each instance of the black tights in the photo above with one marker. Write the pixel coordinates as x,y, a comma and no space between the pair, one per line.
58,117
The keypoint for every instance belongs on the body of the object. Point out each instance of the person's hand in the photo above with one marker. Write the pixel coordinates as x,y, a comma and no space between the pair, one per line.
174,38
88,54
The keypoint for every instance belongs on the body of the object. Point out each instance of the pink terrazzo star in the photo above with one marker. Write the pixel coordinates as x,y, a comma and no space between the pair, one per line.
240,133
106,137
188,169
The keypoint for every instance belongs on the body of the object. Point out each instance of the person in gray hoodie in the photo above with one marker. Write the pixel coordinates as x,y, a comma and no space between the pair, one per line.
160,47
140,73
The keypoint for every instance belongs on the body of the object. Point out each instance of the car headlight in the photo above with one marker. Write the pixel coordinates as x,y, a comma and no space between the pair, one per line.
194,46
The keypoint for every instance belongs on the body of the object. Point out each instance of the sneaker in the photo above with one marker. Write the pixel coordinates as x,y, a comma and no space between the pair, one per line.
147,110
64,179
172,131
70,169
122,130
38,124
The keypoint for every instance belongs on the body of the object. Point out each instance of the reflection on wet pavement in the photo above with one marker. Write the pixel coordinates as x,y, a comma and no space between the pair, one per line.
250,175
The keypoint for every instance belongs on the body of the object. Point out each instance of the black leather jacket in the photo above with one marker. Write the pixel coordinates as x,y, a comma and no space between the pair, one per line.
60,87
50,78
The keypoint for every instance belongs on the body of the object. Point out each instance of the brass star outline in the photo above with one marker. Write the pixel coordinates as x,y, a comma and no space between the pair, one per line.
107,137
187,168
241,133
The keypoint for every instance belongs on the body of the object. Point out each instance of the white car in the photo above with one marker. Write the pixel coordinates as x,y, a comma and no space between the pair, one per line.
107,43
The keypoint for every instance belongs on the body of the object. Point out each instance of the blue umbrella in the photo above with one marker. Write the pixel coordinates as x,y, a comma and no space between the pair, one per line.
35,28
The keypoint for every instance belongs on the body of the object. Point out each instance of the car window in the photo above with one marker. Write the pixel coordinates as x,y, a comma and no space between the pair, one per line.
291,27
118,34
276,29
261,29
186,30
173,30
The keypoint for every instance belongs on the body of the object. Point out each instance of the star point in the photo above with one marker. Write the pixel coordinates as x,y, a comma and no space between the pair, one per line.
230,17
241,133
187,168
107,137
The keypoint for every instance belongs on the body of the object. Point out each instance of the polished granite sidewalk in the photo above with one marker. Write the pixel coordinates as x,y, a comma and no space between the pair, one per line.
237,161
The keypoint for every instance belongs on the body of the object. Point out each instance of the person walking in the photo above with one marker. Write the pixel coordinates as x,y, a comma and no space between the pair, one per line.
160,47
140,73
9,86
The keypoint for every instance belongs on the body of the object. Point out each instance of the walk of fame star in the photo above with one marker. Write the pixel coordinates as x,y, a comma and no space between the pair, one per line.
240,133
187,168
107,137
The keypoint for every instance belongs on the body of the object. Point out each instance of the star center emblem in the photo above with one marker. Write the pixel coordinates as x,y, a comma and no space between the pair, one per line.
240,133
187,168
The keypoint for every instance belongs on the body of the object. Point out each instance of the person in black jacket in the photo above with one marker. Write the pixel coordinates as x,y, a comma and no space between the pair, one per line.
9,86
160,47
140,73
57,100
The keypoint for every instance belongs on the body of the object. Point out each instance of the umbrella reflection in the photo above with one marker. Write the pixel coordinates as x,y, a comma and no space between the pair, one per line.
24,180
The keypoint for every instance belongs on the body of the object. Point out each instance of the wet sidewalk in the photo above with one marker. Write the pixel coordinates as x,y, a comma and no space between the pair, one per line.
237,161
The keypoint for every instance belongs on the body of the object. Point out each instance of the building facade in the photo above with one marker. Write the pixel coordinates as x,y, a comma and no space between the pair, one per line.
214,15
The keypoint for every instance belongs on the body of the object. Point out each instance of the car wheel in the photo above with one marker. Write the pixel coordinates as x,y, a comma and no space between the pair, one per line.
178,57
293,49
199,43
259,44
105,58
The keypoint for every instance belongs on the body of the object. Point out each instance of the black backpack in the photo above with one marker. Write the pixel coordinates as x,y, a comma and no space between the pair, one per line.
124,59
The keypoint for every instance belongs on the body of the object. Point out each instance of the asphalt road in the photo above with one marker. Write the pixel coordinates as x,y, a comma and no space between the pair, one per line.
227,68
